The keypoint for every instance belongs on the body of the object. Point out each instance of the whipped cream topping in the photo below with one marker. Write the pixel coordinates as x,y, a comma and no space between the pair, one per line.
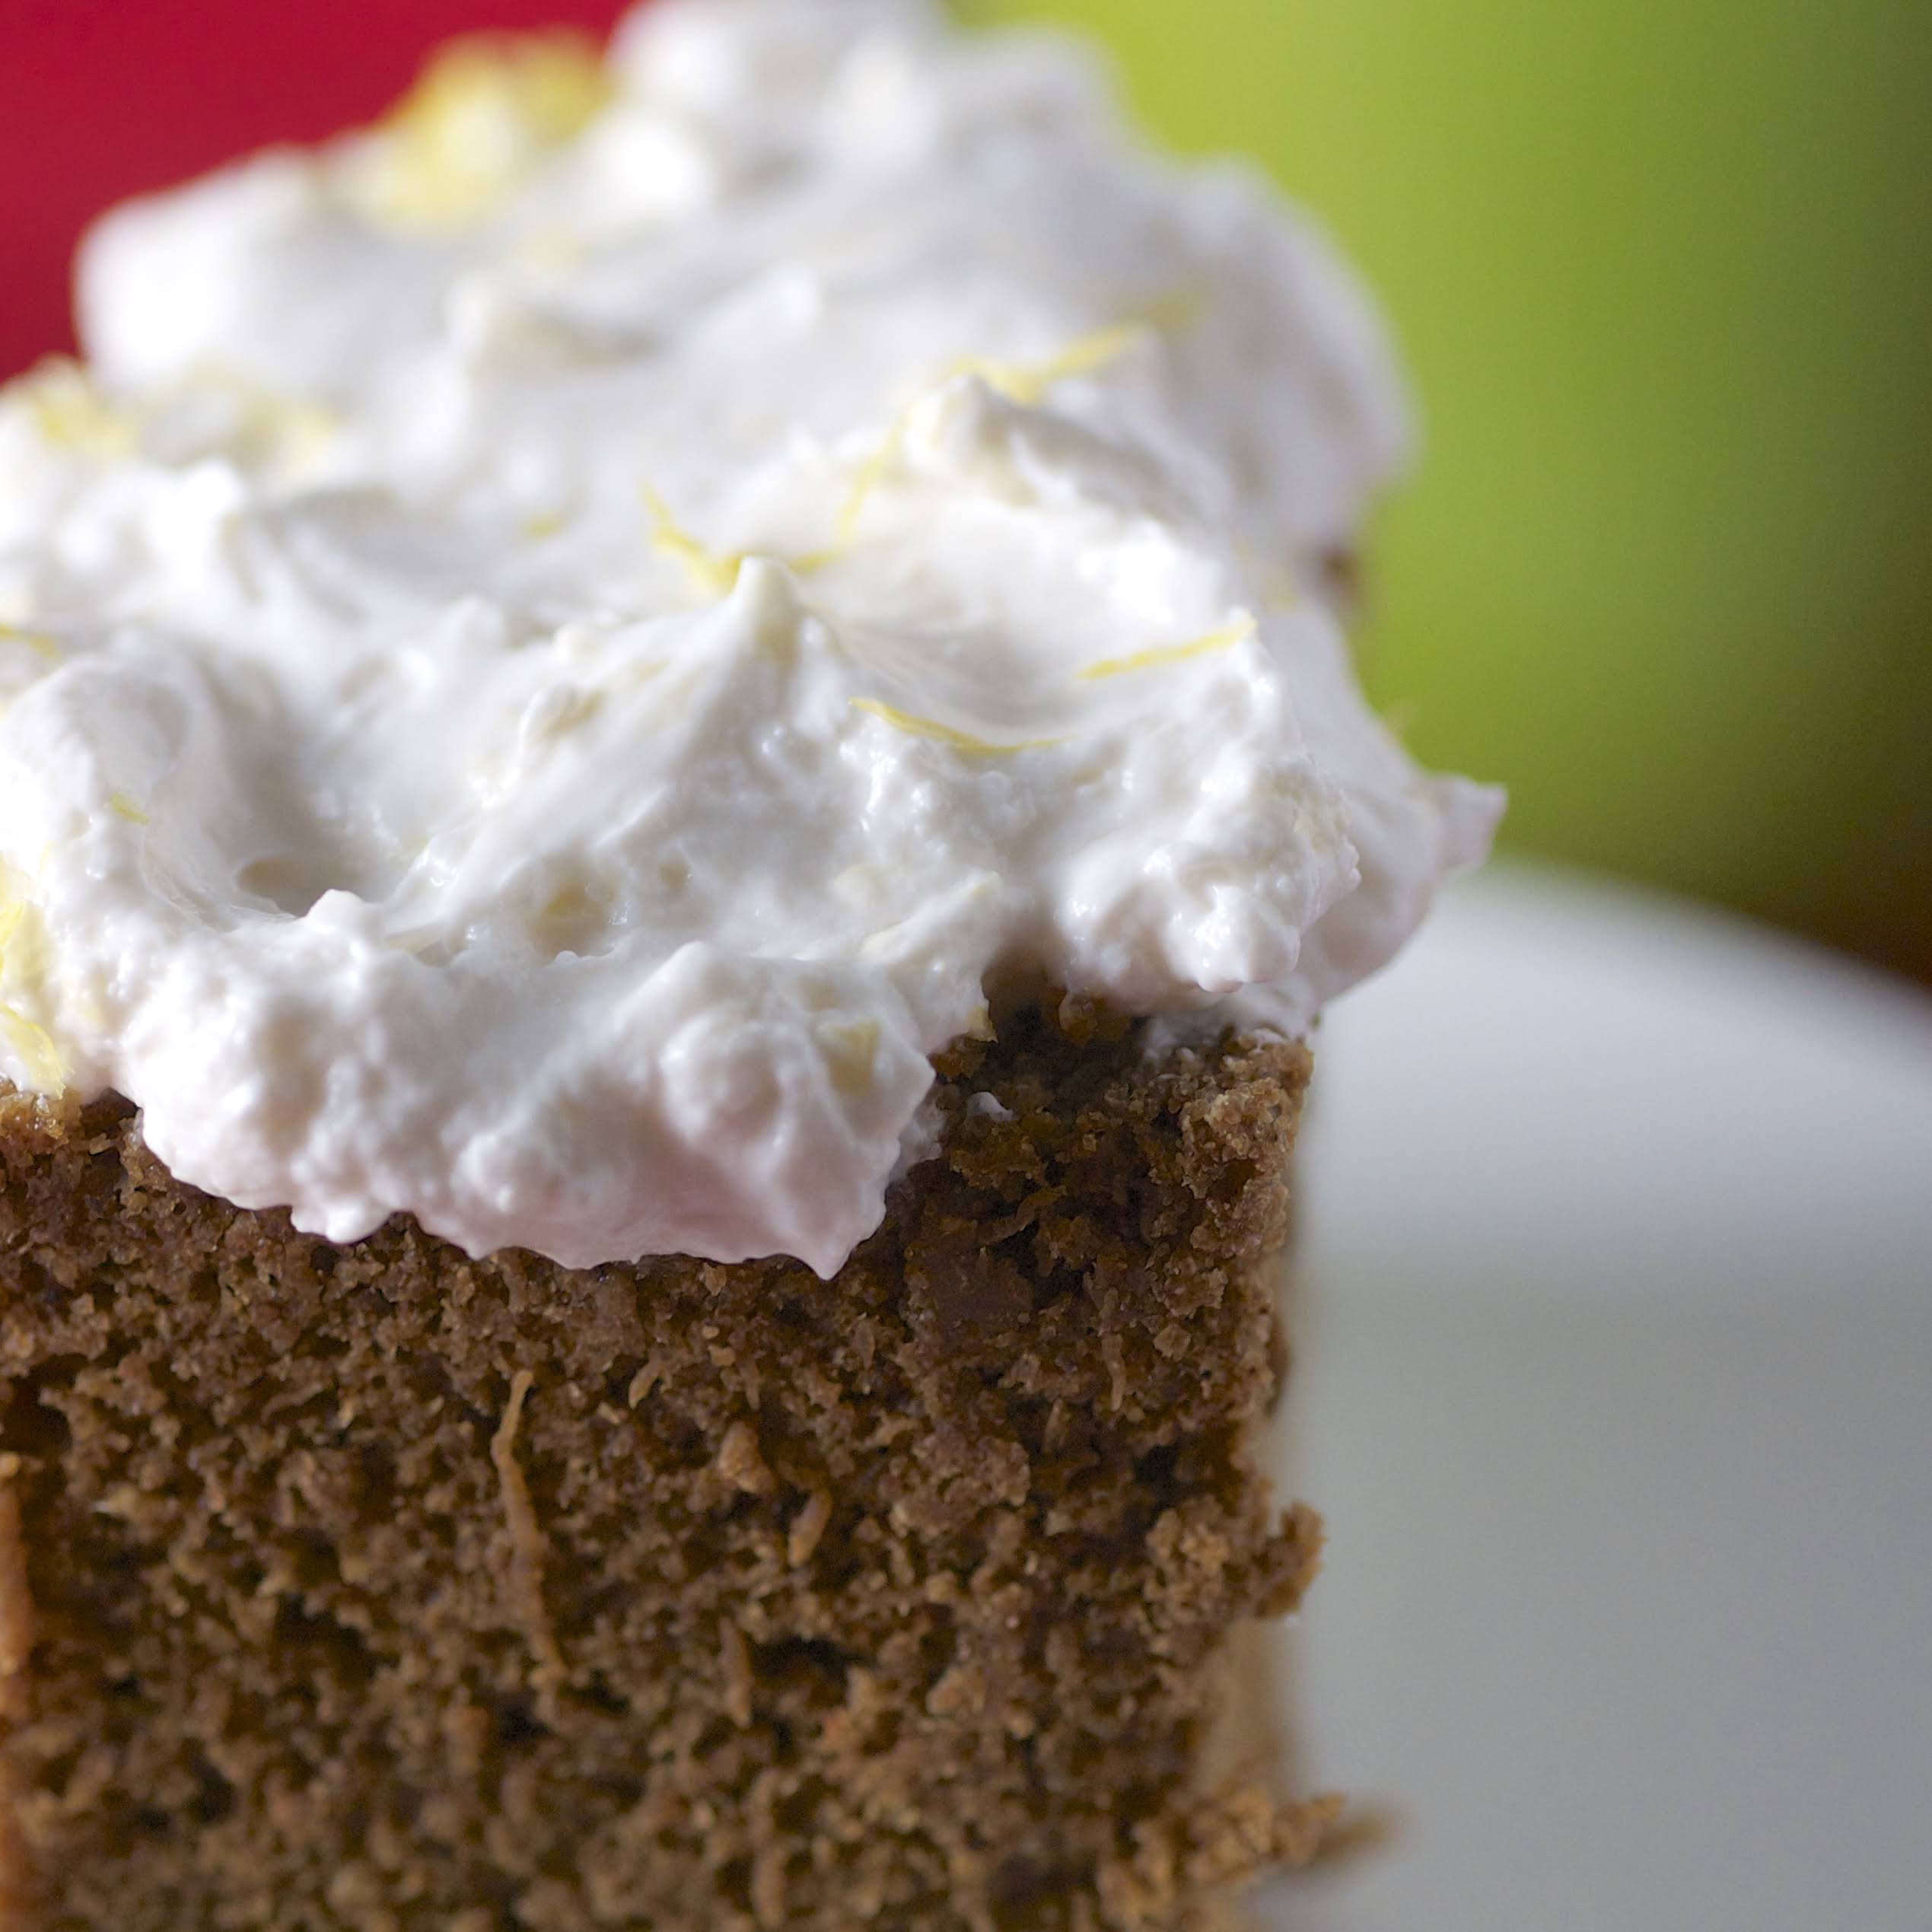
560,647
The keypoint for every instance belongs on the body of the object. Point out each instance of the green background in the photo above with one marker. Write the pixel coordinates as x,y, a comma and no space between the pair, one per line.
1662,271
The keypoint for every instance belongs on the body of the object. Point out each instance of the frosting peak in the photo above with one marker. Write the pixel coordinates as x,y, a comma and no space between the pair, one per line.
562,646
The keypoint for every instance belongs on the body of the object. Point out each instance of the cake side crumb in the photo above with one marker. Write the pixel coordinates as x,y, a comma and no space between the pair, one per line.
377,1588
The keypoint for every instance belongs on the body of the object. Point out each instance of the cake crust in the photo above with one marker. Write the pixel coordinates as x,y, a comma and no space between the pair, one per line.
375,1588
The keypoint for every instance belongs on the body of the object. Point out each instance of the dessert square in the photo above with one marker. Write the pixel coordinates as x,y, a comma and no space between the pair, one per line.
679,780
378,1588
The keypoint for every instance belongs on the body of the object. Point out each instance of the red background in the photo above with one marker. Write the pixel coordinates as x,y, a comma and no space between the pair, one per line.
100,99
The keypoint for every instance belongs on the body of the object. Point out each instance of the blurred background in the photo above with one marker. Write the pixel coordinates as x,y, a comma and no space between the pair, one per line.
1663,269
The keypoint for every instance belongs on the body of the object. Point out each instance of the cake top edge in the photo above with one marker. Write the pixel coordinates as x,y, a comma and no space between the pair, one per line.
558,649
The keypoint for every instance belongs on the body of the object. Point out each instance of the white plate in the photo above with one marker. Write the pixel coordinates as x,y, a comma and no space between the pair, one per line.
1614,1385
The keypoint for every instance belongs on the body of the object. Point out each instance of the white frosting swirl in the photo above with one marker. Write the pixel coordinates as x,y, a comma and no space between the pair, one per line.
565,642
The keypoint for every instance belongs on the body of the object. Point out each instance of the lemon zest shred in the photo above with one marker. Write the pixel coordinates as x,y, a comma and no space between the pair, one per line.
1026,383
123,806
71,413
872,473
297,428
712,572
715,572
945,734
1162,655
541,524
486,110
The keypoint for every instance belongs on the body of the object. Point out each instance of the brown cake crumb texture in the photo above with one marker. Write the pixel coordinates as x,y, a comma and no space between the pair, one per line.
377,1590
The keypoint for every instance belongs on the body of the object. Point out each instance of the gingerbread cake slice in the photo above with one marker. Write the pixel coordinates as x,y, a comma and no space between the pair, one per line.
378,1587
679,781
